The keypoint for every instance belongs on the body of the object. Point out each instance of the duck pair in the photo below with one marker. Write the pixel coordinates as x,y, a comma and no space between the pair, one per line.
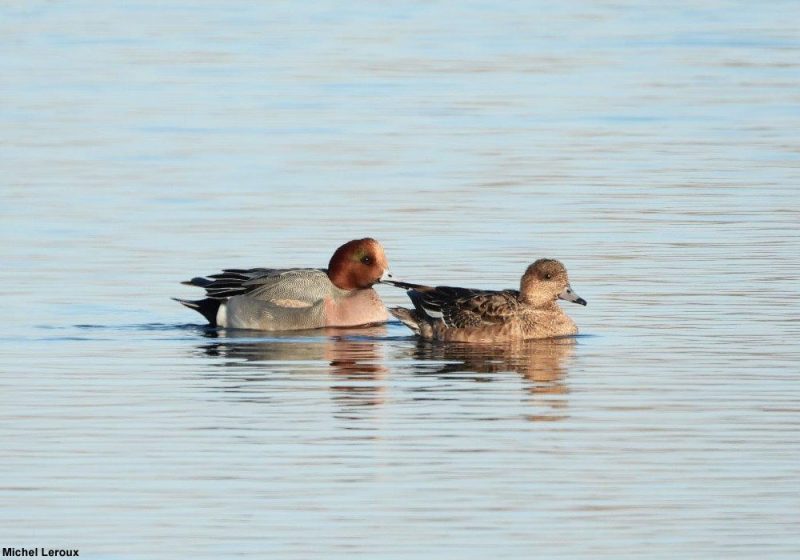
341,295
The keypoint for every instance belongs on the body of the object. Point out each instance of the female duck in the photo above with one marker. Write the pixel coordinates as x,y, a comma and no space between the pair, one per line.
271,299
466,315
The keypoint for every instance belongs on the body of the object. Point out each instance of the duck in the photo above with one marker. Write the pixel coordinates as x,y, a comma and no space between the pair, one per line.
280,299
453,314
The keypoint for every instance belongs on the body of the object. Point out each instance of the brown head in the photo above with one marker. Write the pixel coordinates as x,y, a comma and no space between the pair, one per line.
358,264
545,281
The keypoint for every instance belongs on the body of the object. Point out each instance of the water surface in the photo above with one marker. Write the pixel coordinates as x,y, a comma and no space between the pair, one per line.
653,149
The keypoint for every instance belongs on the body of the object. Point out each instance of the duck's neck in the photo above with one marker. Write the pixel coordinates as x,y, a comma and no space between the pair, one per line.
552,307
540,305
341,278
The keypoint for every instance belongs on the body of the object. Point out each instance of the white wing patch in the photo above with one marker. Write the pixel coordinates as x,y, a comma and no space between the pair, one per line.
432,314
295,303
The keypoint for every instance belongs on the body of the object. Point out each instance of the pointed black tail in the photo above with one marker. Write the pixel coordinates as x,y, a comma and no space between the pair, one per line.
206,307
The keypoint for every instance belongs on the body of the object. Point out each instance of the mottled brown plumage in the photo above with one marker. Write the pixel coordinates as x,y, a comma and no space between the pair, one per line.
468,315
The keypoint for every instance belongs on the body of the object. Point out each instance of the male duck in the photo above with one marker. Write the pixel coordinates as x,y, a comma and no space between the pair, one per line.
466,315
271,299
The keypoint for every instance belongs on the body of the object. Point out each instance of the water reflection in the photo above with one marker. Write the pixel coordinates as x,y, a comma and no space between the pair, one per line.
356,367
542,364
354,357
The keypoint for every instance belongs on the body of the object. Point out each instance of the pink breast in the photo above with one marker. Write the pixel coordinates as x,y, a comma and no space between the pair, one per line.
361,307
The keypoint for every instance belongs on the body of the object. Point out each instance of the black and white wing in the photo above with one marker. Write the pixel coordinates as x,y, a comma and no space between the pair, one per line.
465,307
305,285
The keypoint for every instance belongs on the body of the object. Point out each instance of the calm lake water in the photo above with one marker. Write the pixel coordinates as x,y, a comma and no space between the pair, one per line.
652,147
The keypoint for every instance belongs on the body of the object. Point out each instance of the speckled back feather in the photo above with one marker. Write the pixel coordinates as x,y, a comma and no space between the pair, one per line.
465,307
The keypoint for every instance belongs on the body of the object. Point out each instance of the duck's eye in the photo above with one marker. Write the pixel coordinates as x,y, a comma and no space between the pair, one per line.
548,276
366,260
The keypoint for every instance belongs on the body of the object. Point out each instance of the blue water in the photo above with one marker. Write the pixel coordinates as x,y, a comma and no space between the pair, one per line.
652,148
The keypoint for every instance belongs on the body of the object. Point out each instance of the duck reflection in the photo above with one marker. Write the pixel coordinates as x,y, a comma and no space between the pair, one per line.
541,363
353,356
354,361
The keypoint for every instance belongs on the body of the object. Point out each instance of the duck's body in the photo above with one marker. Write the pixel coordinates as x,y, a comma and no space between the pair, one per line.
467,315
298,298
